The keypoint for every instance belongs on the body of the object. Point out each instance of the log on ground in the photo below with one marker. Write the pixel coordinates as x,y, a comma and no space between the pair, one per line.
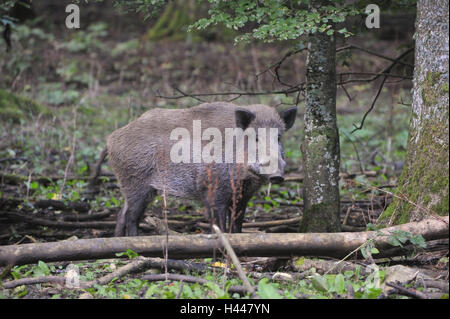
335,245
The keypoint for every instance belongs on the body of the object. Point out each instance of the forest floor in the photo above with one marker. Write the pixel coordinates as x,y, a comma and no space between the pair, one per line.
83,85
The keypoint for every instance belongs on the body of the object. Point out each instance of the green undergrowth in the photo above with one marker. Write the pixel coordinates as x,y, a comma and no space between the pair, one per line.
14,108
315,286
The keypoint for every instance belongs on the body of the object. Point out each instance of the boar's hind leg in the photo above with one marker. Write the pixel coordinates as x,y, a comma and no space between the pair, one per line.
129,216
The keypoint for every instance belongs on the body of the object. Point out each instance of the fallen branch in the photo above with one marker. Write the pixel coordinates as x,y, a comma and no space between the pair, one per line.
442,285
270,223
32,281
234,259
137,264
68,224
85,217
335,245
299,177
13,179
59,224
407,292
191,279
60,205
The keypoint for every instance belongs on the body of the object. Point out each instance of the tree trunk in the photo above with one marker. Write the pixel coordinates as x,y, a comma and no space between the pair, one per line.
320,145
423,186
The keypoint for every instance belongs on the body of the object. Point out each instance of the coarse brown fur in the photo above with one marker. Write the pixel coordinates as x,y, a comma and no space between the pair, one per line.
139,156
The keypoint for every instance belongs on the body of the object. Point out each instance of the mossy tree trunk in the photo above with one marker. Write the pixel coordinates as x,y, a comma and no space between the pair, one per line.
423,186
320,145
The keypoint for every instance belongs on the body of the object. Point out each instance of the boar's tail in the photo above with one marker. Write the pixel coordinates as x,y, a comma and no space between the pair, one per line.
97,168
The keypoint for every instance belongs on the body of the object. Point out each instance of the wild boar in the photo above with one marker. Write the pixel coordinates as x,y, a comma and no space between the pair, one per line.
204,153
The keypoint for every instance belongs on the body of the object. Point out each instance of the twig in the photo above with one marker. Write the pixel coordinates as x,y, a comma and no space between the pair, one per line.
352,46
180,290
280,62
97,168
196,95
235,260
407,292
361,166
31,281
137,264
72,152
380,88
385,73
85,217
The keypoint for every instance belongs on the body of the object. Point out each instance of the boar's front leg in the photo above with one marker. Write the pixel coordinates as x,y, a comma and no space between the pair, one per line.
130,214
217,212
238,218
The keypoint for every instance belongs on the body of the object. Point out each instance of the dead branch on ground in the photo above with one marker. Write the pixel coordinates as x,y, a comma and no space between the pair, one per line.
335,245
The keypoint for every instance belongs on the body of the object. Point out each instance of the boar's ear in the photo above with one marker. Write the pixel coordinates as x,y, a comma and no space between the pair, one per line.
243,118
288,116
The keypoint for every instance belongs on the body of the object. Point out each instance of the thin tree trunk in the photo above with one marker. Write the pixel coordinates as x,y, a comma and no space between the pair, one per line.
423,187
320,146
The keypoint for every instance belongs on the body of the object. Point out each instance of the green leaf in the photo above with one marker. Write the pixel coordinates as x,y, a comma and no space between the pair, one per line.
372,293
394,241
34,185
418,240
339,284
129,253
41,269
319,283
267,290
349,274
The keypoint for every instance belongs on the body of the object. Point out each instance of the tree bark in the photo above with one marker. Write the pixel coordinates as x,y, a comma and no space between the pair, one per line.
196,246
423,186
320,145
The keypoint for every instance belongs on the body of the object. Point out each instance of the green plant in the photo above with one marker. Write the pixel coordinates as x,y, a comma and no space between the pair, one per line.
268,290
128,253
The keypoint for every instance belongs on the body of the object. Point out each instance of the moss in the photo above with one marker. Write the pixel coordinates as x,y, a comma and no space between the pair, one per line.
431,93
319,218
424,178
445,88
442,207
14,107
299,261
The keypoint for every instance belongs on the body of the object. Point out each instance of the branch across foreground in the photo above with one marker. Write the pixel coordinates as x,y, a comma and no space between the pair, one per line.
196,246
